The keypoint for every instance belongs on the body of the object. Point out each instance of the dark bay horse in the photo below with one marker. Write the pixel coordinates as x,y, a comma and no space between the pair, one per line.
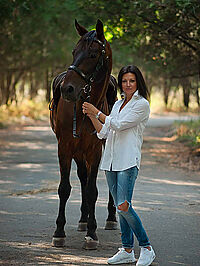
87,79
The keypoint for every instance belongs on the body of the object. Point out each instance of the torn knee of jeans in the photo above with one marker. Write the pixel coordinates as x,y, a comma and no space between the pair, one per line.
124,206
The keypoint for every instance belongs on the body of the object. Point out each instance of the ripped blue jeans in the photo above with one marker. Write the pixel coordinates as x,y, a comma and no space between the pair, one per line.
121,185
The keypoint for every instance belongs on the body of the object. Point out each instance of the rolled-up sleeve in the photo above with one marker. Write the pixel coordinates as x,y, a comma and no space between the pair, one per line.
103,133
132,118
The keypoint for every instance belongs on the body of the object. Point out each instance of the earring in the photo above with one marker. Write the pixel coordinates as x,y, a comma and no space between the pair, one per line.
123,95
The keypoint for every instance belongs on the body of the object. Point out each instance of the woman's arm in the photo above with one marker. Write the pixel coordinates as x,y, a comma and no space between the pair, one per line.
133,116
96,123
92,112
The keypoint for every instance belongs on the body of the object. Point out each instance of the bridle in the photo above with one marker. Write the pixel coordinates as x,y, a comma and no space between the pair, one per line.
89,79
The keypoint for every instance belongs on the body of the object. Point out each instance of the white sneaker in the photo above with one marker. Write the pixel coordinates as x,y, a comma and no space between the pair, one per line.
122,257
146,257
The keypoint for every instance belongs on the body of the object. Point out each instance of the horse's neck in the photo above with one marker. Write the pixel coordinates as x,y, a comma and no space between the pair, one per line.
99,97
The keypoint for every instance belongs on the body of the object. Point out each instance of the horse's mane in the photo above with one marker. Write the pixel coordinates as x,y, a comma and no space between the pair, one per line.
88,38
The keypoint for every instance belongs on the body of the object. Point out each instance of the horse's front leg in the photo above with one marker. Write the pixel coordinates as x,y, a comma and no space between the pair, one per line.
91,240
82,174
64,193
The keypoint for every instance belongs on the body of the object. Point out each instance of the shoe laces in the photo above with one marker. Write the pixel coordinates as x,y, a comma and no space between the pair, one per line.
120,250
145,250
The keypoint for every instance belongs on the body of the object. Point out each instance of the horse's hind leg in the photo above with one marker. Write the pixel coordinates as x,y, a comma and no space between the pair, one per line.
64,193
111,222
82,174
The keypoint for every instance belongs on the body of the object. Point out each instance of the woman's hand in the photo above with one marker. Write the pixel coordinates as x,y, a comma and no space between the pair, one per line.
89,109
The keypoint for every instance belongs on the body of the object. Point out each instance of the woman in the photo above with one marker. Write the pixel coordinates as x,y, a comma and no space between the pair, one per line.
123,130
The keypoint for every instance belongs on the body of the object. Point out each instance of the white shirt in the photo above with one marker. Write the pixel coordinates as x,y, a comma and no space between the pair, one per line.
124,134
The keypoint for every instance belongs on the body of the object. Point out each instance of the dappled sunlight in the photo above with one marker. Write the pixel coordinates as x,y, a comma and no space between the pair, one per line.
4,191
149,162
3,182
29,165
183,196
74,259
3,167
22,213
74,201
142,208
177,263
36,128
102,202
170,182
42,253
34,194
28,145
164,139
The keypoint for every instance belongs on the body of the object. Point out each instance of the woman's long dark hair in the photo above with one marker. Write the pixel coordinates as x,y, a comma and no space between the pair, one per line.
141,85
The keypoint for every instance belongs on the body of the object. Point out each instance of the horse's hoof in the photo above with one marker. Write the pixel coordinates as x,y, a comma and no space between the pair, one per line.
82,227
58,242
111,225
90,243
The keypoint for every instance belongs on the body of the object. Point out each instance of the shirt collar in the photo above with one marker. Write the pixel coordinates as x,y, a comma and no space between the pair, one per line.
136,94
134,97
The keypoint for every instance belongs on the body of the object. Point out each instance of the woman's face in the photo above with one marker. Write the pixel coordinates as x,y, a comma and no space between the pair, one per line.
129,84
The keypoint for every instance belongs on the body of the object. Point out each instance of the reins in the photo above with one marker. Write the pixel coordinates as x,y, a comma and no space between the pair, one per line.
75,134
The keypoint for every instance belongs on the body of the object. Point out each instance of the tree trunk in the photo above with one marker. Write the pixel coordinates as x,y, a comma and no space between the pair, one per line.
13,87
197,95
197,88
186,91
22,86
2,87
166,92
31,85
7,88
48,86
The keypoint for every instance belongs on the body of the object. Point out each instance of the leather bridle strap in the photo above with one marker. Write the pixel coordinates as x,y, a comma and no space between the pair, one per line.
75,135
78,71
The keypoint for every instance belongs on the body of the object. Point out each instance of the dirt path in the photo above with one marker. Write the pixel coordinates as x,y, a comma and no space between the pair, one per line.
166,197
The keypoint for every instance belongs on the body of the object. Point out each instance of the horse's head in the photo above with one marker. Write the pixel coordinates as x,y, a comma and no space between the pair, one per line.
92,61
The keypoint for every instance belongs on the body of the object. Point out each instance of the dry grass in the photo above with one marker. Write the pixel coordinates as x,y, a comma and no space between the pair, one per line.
26,111
175,103
189,132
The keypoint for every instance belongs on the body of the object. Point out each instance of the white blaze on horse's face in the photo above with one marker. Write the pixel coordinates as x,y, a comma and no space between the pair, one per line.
88,60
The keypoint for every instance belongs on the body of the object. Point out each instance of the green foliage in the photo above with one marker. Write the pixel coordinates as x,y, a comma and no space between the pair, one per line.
161,37
35,33
159,31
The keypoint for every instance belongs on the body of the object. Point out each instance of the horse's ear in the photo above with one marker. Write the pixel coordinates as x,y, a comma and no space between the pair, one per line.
80,29
99,30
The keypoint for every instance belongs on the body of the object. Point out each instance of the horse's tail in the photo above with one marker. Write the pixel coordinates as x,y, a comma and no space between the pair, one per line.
53,108
55,88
